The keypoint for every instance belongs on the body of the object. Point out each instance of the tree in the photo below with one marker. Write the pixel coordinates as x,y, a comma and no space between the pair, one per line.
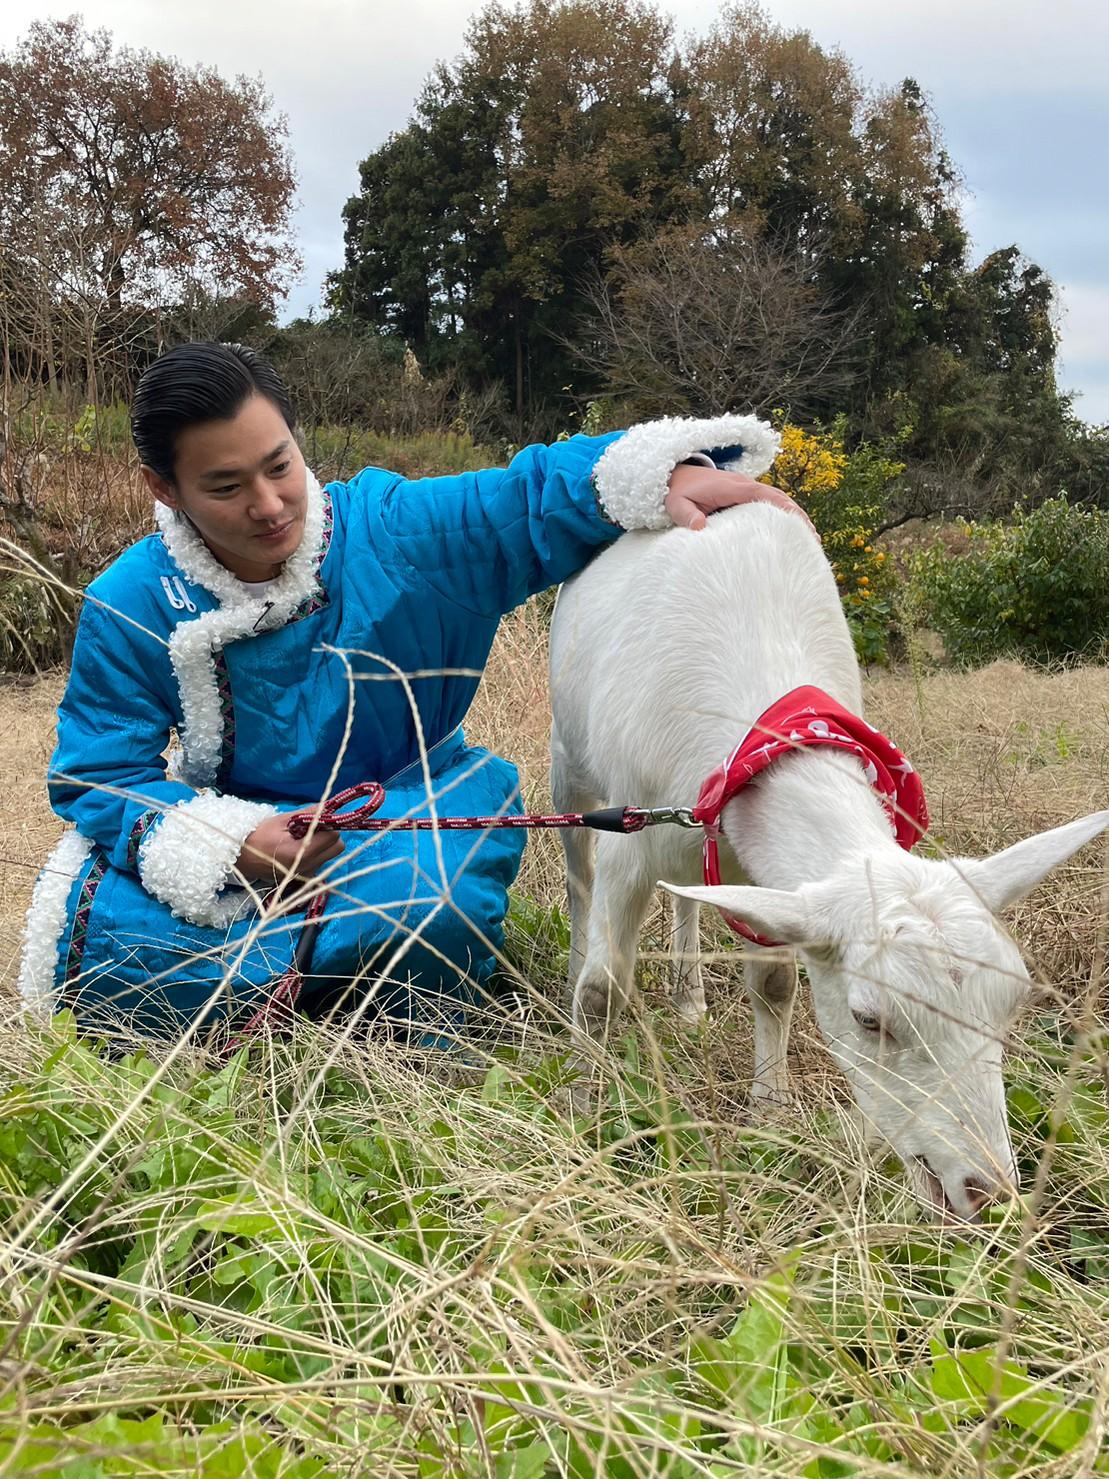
130,179
701,320
854,184
773,129
554,139
574,155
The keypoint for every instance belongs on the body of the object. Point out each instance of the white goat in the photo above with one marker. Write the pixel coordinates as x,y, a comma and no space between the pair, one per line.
663,653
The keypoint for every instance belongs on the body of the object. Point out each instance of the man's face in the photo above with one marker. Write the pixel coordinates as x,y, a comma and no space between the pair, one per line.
243,485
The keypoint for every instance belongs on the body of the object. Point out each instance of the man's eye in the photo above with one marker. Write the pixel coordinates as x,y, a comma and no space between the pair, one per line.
223,492
279,469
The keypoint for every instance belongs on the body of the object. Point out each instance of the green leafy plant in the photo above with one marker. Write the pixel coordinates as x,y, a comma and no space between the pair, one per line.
36,624
1037,587
315,1261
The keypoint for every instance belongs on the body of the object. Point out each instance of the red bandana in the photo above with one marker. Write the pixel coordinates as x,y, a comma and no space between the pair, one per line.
809,716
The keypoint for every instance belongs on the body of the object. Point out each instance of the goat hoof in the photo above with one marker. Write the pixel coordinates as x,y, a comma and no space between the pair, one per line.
692,1016
583,1096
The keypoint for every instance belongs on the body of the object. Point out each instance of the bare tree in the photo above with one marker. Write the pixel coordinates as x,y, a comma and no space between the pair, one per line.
704,319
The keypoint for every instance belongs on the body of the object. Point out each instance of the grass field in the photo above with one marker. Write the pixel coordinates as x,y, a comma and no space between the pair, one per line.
323,1258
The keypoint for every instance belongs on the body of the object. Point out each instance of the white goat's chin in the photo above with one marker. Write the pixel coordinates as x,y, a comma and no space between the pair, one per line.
929,1190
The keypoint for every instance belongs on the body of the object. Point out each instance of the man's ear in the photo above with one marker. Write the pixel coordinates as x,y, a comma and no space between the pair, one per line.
777,914
1007,876
162,489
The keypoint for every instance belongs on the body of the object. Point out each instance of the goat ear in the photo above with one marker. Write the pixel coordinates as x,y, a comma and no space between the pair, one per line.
778,914
1009,875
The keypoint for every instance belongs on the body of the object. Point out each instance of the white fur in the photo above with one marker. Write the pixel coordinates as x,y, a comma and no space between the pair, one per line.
632,476
663,653
45,923
187,859
240,614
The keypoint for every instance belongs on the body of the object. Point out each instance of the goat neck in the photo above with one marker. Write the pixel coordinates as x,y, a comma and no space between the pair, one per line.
804,818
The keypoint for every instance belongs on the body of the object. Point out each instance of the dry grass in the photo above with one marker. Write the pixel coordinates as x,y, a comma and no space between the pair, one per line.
28,828
1004,751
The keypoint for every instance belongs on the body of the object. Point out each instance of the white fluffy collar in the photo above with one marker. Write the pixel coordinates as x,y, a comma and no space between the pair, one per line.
295,583
241,613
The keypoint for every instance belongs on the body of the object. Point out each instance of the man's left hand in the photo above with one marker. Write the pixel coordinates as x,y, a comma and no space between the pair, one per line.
695,492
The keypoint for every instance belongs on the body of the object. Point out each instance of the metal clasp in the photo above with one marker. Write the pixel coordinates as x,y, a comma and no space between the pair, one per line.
676,816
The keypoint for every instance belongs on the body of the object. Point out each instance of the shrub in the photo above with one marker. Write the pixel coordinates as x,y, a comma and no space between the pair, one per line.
36,624
1037,587
846,496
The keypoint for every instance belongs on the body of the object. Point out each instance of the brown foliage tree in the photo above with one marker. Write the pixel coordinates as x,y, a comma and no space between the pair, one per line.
774,125
129,179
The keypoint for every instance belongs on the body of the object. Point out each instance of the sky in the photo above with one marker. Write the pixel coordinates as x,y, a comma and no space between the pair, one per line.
1020,90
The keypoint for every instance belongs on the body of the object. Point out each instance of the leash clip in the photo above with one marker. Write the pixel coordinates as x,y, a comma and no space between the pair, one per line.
675,816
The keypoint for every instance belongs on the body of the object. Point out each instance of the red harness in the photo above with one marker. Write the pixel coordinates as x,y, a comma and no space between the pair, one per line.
809,716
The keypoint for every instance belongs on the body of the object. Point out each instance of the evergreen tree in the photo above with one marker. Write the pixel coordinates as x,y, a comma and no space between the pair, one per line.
554,139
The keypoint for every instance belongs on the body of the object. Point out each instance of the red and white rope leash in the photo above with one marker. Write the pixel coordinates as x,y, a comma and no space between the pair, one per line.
328,818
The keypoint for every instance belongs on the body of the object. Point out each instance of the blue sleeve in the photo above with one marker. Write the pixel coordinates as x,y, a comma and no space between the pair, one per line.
489,540
108,775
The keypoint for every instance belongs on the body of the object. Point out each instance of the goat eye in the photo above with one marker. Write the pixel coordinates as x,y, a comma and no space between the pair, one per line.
868,1021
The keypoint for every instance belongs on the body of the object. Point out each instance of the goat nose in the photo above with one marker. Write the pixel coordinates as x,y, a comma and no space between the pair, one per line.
980,1192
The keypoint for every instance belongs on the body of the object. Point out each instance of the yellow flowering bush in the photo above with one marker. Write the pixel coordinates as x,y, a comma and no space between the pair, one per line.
808,462
845,494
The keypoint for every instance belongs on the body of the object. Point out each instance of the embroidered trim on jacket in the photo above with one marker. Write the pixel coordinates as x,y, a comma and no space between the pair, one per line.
227,719
78,937
143,822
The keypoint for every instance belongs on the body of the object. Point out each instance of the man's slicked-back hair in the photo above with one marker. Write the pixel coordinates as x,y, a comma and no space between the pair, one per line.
193,383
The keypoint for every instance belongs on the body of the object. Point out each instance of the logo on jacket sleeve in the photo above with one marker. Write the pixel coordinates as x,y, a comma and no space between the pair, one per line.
176,594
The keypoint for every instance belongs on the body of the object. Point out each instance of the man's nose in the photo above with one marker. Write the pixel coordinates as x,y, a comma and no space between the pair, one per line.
265,501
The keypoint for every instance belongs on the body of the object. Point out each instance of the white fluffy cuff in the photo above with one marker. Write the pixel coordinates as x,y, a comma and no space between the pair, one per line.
187,859
632,475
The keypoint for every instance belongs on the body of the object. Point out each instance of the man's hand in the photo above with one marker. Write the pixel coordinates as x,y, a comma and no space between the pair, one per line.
270,854
695,492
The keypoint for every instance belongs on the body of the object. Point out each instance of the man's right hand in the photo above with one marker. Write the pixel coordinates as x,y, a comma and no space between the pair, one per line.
271,853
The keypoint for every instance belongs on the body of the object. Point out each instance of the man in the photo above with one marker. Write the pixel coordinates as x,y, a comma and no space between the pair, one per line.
297,640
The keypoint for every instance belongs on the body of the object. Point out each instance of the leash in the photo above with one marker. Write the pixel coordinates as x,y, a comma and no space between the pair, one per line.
625,819
285,991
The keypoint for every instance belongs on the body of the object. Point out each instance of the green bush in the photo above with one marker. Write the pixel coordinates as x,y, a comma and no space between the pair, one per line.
1037,587
36,624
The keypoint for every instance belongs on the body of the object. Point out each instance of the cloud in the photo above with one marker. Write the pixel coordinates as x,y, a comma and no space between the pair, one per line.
976,46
